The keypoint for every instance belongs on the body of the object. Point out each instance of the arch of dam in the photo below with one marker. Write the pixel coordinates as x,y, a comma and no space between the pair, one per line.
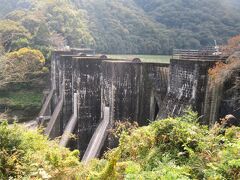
89,93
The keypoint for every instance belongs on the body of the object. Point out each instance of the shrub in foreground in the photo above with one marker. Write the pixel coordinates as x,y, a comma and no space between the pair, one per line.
26,154
174,148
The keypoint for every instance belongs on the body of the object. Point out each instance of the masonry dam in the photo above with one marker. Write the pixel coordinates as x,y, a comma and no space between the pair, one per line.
90,93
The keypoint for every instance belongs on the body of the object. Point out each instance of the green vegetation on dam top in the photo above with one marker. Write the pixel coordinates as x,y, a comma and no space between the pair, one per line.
144,58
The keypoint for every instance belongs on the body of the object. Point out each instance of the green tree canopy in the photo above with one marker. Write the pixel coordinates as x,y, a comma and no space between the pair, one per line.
11,32
133,26
18,65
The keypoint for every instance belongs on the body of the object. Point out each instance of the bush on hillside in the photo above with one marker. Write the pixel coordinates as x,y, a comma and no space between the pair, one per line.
18,65
232,46
26,154
173,148
177,148
10,33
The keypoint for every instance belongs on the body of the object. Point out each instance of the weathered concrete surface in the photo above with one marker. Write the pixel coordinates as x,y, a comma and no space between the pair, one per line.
157,80
62,83
66,71
56,69
134,91
57,86
61,78
86,82
187,86
53,130
46,108
56,74
52,94
71,124
122,89
127,88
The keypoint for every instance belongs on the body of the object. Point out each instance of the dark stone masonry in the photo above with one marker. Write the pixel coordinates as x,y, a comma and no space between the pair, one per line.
187,86
86,82
132,91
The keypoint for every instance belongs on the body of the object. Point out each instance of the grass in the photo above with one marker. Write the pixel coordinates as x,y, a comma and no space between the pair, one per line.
21,105
144,58
21,99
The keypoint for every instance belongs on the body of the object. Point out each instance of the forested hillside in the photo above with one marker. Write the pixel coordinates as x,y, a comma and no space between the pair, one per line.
122,27
195,23
119,26
29,29
42,25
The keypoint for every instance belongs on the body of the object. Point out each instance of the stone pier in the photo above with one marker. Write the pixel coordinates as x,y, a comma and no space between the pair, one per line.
132,89
187,86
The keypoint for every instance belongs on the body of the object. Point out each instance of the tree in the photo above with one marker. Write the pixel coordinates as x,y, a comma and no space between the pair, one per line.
69,22
57,41
17,66
232,45
10,32
42,36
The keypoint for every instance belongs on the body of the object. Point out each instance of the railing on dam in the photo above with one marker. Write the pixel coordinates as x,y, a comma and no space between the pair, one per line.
203,54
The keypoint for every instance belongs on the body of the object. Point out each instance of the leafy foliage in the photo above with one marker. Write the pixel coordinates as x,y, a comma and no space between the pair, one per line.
157,26
133,26
222,72
11,33
69,22
195,23
29,155
177,148
36,24
232,45
120,27
18,65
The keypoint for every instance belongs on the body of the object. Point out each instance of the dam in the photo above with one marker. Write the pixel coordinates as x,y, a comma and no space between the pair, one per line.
90,93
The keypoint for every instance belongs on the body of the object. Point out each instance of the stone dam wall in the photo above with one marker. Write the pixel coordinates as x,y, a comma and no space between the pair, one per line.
187,86
131,90
223,92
